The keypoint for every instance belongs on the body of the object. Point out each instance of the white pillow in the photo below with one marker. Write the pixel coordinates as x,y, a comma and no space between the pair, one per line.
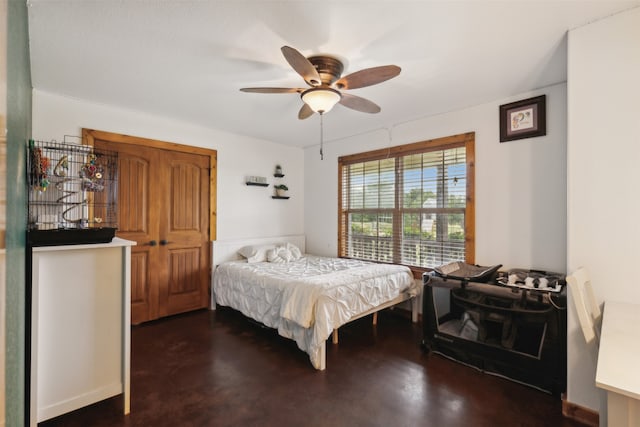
296,253
256,253
279,255
282,254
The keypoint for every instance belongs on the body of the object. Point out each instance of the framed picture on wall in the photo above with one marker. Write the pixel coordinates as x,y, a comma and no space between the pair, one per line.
523,119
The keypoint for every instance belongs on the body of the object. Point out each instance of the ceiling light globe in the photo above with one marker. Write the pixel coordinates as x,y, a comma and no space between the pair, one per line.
321,99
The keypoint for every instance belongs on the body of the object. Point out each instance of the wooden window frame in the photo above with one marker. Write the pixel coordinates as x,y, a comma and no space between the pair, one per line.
466,140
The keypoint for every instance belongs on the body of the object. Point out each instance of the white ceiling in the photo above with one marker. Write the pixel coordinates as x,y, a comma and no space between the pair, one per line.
187,60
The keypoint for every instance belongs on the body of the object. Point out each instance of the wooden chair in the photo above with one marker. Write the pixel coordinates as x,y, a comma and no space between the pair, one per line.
589,312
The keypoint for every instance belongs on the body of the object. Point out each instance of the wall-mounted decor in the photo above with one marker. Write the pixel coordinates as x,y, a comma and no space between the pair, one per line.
259,181
523,119
281,191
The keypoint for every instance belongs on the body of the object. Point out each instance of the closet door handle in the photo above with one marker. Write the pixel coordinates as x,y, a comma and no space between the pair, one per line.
152,243
163,242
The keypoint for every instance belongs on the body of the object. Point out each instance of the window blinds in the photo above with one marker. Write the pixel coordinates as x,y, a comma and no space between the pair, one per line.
409,204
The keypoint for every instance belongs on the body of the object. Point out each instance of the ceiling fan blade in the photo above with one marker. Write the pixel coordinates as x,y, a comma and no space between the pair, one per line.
272,89
359,104
301,65
305,112
368,77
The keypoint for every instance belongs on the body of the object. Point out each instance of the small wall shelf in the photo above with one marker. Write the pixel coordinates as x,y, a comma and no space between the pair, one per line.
278,174
258,184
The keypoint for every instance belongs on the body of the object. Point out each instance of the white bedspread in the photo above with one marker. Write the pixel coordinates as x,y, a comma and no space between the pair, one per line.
306,299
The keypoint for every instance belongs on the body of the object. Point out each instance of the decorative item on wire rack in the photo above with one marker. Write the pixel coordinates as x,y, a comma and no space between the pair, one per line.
72,194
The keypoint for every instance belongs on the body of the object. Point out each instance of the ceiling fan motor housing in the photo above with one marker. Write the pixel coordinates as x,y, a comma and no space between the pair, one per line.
330,69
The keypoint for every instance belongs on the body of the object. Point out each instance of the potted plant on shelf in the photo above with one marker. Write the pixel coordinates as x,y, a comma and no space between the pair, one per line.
278,173
281,190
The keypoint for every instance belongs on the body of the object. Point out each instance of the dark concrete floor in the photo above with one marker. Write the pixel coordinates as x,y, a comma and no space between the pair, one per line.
220,369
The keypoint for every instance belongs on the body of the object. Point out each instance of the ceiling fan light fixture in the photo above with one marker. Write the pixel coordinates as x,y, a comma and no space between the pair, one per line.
321,99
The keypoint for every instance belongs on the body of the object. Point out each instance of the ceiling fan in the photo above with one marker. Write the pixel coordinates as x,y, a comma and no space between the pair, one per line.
323,74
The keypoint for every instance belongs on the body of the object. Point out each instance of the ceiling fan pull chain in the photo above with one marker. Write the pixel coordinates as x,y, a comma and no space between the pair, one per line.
321,136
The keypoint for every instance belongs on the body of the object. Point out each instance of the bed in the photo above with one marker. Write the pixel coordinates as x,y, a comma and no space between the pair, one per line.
305,297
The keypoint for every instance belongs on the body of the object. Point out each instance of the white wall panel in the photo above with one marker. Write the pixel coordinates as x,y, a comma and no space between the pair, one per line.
603,177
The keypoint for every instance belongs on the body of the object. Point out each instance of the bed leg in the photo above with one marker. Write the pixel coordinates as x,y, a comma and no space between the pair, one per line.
323,356
414,309
375,318
334,336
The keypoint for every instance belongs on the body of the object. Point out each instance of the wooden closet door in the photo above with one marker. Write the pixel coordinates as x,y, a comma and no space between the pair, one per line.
184,233
163,205
139,208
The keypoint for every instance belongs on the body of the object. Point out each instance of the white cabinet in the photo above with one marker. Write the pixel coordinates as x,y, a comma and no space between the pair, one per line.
80,333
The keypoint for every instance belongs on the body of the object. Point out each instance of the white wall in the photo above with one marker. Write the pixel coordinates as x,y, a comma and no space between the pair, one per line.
243,211
603,177
520,185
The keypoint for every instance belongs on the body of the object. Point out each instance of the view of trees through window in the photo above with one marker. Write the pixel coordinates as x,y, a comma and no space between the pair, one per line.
408,209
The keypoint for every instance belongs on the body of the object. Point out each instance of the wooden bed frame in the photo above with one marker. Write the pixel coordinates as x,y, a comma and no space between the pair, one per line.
227,250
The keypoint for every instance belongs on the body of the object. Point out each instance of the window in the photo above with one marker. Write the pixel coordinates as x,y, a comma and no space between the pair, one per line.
411,204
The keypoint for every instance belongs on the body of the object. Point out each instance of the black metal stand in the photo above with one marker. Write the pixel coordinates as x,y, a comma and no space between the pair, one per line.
516,333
